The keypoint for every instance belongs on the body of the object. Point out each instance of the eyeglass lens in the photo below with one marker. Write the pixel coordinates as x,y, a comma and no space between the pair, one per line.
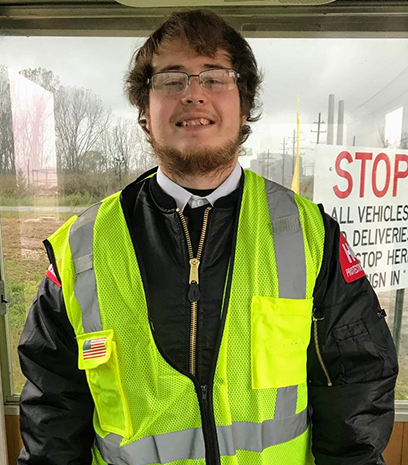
214,80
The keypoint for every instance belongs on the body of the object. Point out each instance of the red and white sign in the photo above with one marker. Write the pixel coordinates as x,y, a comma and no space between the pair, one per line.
350,264
51,274
366,191
377,173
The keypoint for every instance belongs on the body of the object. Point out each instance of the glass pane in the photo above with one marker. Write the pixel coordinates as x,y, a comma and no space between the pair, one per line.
353,137
45,81
65,144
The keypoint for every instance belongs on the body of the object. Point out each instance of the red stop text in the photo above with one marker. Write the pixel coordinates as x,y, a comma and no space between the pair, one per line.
368,173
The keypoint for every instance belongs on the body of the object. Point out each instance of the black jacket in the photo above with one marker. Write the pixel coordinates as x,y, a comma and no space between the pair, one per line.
351,420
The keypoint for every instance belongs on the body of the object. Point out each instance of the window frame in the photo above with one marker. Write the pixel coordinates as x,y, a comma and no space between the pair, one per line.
6,374
341,19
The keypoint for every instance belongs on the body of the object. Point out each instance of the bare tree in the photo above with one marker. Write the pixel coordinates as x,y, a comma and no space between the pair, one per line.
118,148
6,125
36,117
87,140
124,150
145,157
95,162
404,140
384,142
33,126
81,120
43,77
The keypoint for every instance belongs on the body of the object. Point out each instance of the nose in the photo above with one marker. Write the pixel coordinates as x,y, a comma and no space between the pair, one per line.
194,92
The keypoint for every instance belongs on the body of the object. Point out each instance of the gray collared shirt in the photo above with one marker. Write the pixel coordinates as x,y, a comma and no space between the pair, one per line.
184,197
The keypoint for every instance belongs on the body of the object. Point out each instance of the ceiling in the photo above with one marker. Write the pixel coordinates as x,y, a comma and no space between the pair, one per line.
341,18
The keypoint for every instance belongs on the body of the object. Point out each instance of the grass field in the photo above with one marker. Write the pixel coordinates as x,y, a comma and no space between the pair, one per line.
26,263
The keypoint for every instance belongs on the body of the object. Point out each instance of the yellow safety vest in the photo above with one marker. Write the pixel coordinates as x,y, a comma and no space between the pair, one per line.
254,411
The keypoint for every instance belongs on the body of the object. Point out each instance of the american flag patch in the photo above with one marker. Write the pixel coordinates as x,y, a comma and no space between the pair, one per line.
94,348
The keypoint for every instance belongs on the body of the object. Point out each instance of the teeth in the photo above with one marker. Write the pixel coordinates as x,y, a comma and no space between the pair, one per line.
196,122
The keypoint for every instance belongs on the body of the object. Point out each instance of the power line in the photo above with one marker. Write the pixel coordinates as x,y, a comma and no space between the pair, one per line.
379,92
378,109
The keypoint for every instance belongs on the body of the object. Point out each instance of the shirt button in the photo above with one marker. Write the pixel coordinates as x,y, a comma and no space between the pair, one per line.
200,202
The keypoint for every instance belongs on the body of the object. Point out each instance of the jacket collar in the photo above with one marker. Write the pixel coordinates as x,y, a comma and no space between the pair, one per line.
183,197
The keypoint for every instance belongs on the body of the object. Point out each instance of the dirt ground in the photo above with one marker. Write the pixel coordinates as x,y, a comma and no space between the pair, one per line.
26,263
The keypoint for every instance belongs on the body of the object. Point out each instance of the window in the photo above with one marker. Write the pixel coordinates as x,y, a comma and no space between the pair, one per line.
68,138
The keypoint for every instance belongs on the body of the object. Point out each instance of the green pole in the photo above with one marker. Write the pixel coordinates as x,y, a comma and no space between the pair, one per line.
399,307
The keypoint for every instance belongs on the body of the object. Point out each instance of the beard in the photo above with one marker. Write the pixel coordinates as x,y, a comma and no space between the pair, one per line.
196,161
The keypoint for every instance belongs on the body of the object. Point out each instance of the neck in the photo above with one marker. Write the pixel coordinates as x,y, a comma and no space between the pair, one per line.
204,181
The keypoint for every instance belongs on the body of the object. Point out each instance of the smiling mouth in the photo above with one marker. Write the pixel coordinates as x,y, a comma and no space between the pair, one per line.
195,122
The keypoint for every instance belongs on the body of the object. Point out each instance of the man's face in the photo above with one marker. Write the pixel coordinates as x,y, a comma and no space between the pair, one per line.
195,149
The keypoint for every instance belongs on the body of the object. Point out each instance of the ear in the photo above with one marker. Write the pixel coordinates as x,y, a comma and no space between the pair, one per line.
243,119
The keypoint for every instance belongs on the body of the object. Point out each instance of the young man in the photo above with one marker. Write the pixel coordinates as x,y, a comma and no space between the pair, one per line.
201,316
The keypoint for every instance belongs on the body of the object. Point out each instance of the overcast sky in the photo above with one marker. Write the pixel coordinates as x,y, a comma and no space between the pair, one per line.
355,70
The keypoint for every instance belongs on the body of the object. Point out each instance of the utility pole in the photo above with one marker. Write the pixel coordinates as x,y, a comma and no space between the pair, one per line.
283,160
266,157
319,123
294,139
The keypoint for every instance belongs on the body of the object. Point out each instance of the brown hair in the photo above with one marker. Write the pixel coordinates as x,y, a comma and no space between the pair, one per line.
205,32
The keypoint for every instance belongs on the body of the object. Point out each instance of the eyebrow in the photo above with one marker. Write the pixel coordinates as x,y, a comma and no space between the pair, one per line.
182,68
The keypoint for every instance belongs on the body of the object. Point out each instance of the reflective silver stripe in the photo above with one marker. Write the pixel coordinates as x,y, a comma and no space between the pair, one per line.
163,448
288,241
258,436
189,444
81,243
286,402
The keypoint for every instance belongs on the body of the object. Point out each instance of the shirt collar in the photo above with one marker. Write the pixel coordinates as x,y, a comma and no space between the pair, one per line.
184,197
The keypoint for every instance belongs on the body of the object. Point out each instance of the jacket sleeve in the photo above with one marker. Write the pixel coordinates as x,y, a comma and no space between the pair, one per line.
56,407
352,419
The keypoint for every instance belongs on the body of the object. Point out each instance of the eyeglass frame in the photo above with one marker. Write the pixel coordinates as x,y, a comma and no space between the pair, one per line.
236,76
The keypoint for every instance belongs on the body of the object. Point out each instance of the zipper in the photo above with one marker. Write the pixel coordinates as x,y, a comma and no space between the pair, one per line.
211,432
207,423
319,355
204,392
194,290
194,296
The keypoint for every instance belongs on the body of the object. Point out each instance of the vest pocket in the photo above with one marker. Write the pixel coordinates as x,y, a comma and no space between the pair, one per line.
280,335
98,357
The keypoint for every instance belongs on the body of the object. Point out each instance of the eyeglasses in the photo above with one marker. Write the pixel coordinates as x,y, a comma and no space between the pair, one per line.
174,82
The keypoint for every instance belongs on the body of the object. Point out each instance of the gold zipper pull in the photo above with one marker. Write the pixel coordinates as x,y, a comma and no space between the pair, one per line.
194,264
194,292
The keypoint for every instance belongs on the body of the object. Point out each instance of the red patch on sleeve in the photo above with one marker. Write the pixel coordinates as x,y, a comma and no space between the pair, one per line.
51,274
350,264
